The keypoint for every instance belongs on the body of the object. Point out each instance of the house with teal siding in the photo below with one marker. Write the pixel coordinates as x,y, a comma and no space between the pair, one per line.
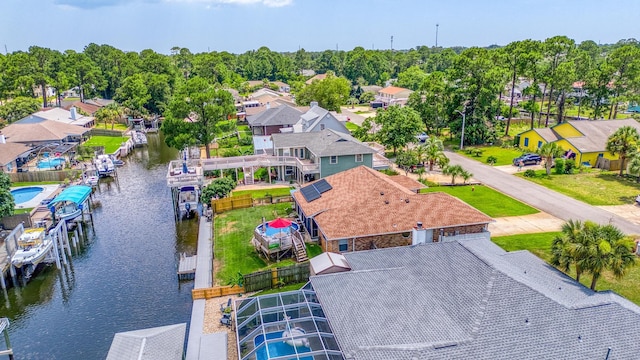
321,154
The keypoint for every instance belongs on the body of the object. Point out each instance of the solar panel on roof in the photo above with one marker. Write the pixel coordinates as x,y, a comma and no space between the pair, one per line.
322,186
310,193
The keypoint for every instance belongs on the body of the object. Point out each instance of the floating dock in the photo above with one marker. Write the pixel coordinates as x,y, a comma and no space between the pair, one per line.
187,266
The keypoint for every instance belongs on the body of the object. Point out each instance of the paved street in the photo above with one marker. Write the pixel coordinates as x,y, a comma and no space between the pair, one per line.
540,197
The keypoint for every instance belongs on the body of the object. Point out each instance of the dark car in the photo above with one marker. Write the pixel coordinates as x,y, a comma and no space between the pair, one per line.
527,159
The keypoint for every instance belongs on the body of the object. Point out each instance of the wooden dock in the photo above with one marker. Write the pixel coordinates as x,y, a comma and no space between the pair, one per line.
187,266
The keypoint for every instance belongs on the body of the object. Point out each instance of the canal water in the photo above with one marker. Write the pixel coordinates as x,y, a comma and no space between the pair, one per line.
124,279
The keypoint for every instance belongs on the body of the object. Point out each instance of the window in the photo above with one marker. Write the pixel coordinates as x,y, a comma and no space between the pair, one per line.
343,245
321,126
601,155
526,142
539,144
359,157
333,160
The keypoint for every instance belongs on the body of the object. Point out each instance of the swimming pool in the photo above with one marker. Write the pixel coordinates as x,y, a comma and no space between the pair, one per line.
270,231
25,194
50,163
278,348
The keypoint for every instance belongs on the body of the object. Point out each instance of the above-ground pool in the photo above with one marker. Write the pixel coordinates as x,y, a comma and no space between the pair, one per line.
50,163
270,231
279,348
25,194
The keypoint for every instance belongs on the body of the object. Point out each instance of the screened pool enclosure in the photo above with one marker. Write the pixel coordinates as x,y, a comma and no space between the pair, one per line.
288,325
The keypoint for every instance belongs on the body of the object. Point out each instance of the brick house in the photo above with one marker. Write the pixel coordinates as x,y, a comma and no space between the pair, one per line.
362,209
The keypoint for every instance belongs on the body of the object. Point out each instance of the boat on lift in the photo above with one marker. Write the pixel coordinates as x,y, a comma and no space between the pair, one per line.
33,247
105,165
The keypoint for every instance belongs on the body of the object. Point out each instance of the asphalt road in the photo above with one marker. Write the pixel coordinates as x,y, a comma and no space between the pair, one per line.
538,196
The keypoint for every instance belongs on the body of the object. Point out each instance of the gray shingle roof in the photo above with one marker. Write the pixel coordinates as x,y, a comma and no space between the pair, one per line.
159,343
322,143
470,299
596,133
281,115
547,134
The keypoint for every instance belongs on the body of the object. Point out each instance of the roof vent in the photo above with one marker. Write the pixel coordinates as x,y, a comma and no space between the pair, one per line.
526,321
406,200
580,338
381,193
419,224
386,202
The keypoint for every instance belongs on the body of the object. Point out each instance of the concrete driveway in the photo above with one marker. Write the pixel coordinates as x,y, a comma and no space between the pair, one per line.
549,201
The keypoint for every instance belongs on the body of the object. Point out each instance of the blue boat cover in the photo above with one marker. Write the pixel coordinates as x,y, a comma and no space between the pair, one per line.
75,194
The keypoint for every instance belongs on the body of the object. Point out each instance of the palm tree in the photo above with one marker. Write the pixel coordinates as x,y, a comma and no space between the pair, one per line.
623,142
570,248
465,175
549,151
454,171
353,102
433,152
610,250
634,165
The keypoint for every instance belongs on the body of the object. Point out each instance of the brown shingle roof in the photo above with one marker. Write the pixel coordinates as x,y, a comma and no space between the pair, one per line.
408,182
11,151
87,108
45,130
393,90
365,202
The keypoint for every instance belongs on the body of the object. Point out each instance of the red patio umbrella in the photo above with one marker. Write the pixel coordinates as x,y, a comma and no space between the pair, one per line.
279,223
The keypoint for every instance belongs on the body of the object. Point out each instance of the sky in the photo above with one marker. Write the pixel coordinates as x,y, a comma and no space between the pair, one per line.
315,25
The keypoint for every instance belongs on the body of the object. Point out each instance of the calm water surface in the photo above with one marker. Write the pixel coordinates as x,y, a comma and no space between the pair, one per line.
124,279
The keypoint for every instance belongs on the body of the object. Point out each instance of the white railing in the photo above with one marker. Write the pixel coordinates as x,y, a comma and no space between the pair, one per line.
258,161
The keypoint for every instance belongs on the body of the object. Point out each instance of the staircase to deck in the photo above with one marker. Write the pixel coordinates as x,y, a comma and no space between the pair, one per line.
299,249
248,175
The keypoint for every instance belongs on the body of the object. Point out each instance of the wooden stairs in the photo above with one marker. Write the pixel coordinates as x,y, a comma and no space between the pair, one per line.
299,249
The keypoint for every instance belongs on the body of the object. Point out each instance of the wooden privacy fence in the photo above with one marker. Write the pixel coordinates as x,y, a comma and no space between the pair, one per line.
272,278
217,291
105,132
606,164
38,176
231,203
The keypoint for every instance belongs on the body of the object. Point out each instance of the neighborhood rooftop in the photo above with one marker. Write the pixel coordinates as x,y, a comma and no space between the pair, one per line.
470,299
324,143
596,132
364,201
40,131
281,115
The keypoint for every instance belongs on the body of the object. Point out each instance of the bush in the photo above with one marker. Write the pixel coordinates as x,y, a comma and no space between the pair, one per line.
569,166
218,188
477,152
212,173
261,174
230,152
245,141
559,169
530,173
492,160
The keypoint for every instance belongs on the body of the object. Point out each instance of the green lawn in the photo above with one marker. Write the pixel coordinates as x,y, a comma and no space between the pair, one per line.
487,200
232,251
351,126
261,193
540,245
313,250
289,287
595,187
32,183
22,211
110,143
116,126
504,156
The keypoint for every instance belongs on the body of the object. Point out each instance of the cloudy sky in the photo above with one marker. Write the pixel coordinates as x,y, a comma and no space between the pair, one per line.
286,25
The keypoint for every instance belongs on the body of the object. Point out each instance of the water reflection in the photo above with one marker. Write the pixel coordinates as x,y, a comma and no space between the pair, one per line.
123,279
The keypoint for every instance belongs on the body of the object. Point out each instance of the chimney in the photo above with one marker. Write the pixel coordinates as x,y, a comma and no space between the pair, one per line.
418,235
268,105
313,103
2,139
73,112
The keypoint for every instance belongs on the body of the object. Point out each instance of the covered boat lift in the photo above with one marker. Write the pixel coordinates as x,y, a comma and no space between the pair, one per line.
78,195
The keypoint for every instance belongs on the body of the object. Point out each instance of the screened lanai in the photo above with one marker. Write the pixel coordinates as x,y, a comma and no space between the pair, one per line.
283,326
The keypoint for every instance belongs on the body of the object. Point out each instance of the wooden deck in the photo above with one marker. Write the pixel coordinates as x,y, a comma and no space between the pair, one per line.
187,266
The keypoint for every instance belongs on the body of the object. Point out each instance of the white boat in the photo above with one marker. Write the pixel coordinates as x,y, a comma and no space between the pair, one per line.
33,247
68,212
188,198
104,164
91,180
139,138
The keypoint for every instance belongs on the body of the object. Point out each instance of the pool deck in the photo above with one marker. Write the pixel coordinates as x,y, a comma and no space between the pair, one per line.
47,192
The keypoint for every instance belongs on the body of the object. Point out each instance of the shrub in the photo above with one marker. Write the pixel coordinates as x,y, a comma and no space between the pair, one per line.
230,152
244,141
477,152
569,166
218,188
492,160
559,169
530,173
261,174
212,173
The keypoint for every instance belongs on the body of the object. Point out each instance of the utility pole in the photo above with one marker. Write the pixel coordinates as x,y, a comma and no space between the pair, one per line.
437,25
391,43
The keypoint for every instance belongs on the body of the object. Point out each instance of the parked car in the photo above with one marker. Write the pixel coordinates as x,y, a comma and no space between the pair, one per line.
422,137
527,159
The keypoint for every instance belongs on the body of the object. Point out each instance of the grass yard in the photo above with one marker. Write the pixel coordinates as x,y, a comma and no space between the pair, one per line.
110,143
22,211
351,126
313,250
594,187
32,183
540,245
233,252
487,200
261,193
116,126
504,156
289,287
